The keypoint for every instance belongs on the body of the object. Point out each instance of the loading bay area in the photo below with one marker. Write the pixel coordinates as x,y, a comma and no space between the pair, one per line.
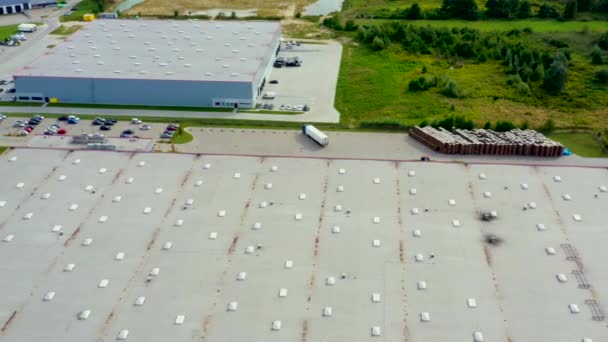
105,246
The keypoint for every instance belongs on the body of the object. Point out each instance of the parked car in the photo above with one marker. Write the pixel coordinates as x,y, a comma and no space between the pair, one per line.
105,128
28,129
273,82
293,62
123,135
279,62
72,120
145,127
136,121
62,131
19,124
170,128
2,117
98,122
127,131
12,90
111,121
63,118
166,136
1,90
23,133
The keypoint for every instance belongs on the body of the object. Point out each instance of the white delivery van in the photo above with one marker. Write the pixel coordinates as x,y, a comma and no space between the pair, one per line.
27,27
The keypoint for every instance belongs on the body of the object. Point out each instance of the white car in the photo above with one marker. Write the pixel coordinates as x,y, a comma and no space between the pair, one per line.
145,127
19,36
23,133
19,124
136,121
2,117
299,108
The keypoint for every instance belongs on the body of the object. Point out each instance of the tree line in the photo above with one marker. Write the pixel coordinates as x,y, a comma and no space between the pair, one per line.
498,9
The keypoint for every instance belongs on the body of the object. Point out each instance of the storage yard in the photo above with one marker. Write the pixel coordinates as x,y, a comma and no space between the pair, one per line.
176,247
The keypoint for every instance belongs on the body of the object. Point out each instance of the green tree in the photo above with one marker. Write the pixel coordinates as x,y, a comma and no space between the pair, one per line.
461,9
525,10
584,5
571,9
548,126
487,125
556,77
603,41
414,12
547,11
350,25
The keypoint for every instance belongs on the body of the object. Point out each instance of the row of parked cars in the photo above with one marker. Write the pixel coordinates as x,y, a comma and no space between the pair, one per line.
28,125
287,62
169,131
295,108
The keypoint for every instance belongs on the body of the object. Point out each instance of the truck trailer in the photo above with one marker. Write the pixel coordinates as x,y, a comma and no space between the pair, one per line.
316,135
26,27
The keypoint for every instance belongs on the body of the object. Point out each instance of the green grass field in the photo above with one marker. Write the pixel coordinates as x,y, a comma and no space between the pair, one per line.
7,31
182,137
63,30
84,7
3,149
580,143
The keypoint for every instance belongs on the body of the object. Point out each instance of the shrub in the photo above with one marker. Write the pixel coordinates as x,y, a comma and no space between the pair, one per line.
377,44
558,43
299,15
175,13
487,125
504,126
451,89
603,41
548,126
596,56
350,25
601,76
525,125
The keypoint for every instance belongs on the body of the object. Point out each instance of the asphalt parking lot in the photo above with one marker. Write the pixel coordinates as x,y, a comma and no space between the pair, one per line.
8,133
313,83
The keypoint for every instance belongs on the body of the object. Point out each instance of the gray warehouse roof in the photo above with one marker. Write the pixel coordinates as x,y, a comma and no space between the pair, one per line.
161,49
12,2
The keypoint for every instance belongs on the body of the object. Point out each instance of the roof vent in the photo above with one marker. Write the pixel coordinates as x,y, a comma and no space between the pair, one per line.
169,73
187,65
78,70
243,38
170,43
234,74
163,37
100,63
180,31
192,44
132,57
162,64
113,42
250,45
227,44
146,43
117,48
117,71
180,57
175,50
96,56
208,74
75,62
93,47
199,50
225,66
143,72
72,55
131,36
91,42
235,51
137,63
209,37
108,35
218,58
156,57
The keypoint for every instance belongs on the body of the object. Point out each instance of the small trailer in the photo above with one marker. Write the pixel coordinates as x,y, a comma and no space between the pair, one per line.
26,27
316,135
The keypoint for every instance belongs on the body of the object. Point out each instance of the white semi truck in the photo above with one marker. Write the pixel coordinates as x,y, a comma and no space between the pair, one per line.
316,135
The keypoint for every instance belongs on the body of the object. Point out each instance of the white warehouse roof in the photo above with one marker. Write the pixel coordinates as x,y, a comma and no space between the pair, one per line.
162,49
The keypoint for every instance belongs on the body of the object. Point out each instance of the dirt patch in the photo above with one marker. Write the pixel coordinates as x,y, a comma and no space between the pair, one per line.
284,8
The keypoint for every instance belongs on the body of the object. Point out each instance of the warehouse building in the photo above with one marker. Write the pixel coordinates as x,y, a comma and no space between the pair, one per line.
14,6
157,63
